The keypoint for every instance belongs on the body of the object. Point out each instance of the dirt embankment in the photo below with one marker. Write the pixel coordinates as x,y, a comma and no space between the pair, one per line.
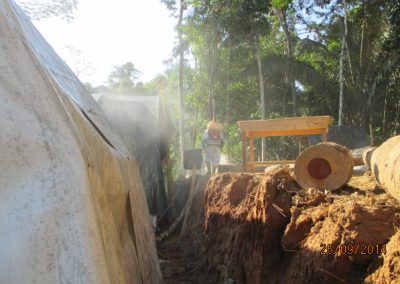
262,228
245,217
337,237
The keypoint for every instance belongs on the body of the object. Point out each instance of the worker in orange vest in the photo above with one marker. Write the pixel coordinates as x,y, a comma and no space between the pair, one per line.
212,142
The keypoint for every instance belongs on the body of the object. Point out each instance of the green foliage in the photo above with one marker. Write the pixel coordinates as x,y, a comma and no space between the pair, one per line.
122,79
233,135
221,35
281,4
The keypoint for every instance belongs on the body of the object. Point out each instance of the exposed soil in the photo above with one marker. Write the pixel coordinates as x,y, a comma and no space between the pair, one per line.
245,217
262,228
336,237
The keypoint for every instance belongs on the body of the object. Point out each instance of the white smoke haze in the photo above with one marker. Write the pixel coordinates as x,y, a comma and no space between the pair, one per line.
137,120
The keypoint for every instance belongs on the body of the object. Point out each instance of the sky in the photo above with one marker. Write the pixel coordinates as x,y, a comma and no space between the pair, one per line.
104,34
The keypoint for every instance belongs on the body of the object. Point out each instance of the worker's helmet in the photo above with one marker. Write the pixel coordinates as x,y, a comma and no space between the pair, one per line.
212,124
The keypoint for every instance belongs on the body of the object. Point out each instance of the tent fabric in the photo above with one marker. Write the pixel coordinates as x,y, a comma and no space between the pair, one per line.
137,120
72,205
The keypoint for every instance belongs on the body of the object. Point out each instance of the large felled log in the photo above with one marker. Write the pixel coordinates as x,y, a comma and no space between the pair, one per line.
384,162
325,166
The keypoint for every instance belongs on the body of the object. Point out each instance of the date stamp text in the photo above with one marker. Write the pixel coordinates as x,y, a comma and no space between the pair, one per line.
353,249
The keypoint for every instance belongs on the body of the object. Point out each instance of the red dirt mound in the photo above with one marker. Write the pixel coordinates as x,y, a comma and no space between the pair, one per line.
336,237
389,271
245,216
259,228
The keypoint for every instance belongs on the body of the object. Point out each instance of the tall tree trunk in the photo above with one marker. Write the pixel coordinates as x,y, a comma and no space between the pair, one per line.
284,103
228,97
211,99
212,70
370,108
371,131
341,76
209,102
346,40
384,120
262,93
281,14
362,44
341,84
396,130
194,132
294,94
180,83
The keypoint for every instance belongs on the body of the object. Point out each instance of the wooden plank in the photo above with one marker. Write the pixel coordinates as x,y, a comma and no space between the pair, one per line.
293,132
279,127
271,162
292,123
244,151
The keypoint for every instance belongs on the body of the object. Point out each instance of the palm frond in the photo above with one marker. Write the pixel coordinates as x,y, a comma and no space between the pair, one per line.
308,45
302,72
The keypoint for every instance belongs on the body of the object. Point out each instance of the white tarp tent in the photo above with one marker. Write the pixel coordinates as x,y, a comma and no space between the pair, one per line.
72,207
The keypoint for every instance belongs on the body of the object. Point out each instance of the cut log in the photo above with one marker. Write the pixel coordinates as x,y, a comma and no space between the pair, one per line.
366,155
325,166
384,162
359,153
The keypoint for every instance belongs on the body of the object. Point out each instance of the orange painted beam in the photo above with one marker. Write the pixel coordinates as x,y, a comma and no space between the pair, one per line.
293,132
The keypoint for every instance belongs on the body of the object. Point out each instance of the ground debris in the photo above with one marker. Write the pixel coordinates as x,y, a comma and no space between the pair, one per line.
337,235
388,267
262,228
185,258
